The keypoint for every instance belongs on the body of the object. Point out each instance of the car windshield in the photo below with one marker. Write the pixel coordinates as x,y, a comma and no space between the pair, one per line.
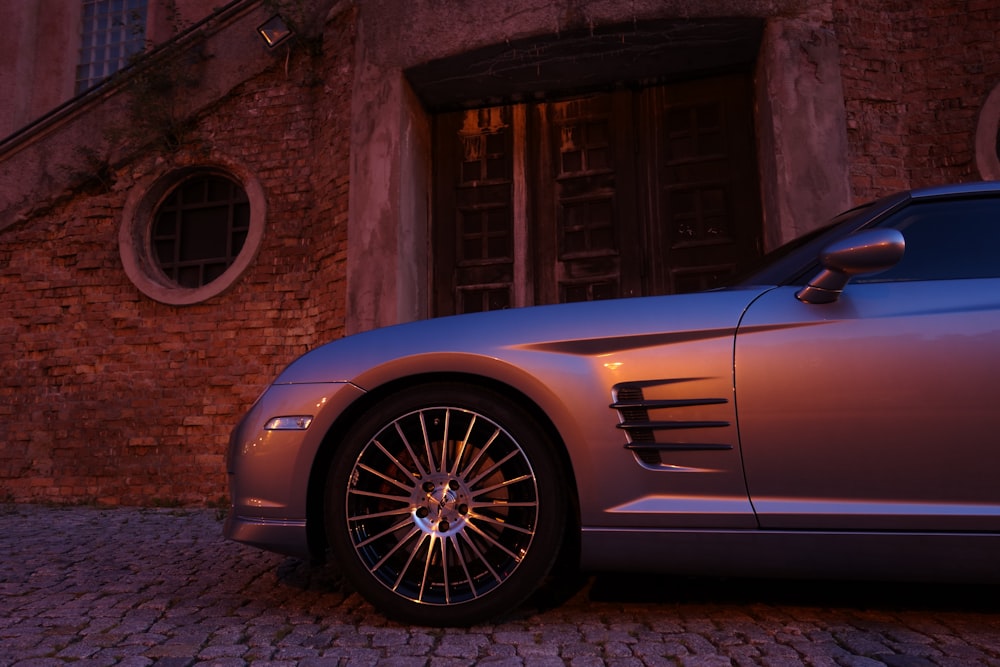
795,261
767,265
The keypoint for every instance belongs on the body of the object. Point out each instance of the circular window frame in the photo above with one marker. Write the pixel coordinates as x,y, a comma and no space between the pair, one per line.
134,234
987,160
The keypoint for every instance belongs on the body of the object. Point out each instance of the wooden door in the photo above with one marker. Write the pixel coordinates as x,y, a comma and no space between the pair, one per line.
610,195
703,201
473,234
585,231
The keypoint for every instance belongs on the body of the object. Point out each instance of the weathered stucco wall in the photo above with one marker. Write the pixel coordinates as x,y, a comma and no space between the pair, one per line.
802,136
36,68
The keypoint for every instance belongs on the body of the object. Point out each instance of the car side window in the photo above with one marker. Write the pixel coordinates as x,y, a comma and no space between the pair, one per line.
946,240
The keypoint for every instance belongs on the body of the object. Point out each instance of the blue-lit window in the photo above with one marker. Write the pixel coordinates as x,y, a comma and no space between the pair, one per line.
112,31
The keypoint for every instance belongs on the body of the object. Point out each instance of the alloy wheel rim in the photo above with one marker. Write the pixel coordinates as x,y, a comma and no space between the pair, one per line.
442,505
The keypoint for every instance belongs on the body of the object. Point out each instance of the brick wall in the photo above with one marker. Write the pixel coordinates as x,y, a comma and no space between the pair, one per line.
108,396
915,77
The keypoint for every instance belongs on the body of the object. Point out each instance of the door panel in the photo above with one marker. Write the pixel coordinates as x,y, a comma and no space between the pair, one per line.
878,411
474,225
704,196
585,204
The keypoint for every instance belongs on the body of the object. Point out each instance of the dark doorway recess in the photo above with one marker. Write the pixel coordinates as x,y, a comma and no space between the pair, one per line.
578,61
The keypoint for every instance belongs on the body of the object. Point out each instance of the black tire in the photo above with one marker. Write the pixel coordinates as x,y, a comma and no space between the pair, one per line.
445,505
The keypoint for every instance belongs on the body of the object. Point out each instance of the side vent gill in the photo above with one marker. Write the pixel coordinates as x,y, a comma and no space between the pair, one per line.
648,437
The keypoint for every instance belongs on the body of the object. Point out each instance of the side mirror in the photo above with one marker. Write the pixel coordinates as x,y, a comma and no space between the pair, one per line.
869,251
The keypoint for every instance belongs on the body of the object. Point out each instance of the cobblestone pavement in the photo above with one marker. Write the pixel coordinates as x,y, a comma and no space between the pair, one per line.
91,586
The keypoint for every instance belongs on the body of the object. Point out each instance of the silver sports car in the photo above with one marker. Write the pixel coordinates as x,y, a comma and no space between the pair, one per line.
834,413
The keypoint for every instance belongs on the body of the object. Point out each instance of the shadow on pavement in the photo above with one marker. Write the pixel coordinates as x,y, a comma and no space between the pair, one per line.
644,588
567,588
317,577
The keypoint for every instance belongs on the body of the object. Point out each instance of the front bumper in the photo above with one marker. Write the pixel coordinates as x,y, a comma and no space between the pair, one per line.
270,469
280,536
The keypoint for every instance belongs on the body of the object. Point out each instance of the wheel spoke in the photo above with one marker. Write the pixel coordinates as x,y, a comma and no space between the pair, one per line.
409,449
427,444
388,531
503,485
500,523
432,543
399,545
489,471
482,451
444,441
457,550
394,482
382,496
421,538
479,531
500,502
403,469
380,515
462,445
481,558
445,570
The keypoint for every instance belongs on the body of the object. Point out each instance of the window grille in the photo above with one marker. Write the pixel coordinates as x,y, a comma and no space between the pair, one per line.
200,229
112,32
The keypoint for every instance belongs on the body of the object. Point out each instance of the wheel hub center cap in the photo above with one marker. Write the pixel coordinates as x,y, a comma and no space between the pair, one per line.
440,506
445,500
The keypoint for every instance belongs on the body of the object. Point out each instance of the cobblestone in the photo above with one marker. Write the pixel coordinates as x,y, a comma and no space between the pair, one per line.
92,586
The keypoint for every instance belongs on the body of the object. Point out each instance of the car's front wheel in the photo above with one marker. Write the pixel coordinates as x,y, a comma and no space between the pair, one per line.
445,505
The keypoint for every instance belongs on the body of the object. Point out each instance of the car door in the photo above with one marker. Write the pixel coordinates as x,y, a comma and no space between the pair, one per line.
881,410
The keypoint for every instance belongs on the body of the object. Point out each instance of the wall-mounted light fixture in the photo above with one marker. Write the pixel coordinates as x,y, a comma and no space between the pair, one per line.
274,31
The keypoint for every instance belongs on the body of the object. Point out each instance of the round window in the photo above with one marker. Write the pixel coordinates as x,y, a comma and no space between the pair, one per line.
191,234
988,137
199,230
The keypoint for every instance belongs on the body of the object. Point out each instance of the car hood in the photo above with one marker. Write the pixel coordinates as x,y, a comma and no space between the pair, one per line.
454,343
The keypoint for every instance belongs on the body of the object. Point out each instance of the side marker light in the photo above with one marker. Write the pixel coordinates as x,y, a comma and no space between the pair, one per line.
291,423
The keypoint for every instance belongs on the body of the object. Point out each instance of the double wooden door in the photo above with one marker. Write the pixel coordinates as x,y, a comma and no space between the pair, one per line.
626,193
